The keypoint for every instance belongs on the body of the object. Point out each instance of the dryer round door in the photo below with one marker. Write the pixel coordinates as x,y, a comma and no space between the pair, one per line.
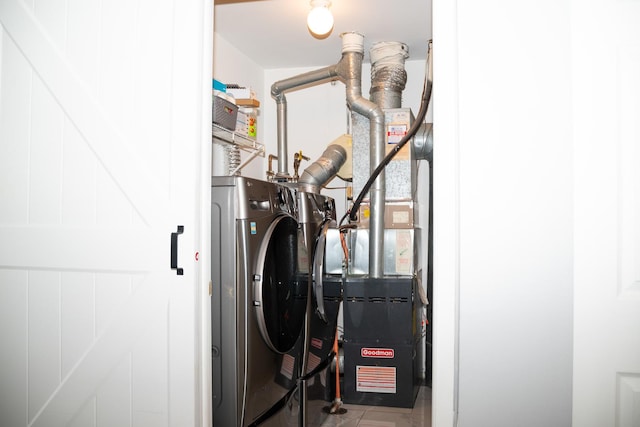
280,290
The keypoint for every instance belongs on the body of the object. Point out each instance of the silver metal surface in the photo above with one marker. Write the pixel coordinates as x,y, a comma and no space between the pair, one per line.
333,253
401,172
318,267
401,252
278,90
283,155
247,373
349,71
422,146
324,169
374,113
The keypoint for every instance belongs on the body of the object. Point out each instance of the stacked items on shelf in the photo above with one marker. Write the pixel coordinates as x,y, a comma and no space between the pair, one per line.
225,110
235,124
247,120
245,96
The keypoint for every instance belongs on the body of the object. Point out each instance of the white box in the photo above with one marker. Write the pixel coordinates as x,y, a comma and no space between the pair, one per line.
240,92
242,123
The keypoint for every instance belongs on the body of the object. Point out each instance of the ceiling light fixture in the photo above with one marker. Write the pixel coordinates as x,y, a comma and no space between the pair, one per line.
320,19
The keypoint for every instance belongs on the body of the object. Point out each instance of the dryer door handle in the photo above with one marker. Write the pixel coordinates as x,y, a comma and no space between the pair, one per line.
318,267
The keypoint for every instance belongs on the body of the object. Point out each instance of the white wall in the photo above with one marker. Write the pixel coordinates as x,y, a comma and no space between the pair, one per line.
514,184
232,66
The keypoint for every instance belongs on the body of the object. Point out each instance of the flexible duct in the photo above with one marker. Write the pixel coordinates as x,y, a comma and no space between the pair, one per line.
388,76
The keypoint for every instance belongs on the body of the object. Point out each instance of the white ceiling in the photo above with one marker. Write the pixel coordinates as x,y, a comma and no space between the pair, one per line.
274,34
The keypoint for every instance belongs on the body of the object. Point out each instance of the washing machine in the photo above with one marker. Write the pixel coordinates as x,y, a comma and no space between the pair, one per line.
307,406
259,299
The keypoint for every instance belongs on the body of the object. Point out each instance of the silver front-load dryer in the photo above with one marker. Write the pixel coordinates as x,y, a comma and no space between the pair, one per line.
307,406
258,301
322,317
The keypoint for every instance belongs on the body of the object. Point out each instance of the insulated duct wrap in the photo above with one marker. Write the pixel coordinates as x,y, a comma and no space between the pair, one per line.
388,76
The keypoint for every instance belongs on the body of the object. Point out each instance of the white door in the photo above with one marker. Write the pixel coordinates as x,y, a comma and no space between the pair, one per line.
103,130
606,93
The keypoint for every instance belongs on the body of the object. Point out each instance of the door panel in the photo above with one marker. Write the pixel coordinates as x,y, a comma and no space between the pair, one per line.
101,123
607,213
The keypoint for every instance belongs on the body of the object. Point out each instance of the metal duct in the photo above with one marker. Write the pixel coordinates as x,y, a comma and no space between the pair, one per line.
388,76
388,79
422,147
324,169
374,113
278,90
349,71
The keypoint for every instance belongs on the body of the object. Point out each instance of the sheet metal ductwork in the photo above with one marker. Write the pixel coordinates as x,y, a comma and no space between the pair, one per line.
324,169
422,147
388,79
349,71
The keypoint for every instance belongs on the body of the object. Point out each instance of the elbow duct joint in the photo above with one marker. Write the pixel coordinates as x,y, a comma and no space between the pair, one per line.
325,168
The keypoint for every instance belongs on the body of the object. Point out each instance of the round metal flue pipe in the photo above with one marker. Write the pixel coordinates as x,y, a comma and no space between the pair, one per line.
324,169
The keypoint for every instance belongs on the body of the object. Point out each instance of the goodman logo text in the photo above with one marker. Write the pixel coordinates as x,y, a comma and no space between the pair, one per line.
379,353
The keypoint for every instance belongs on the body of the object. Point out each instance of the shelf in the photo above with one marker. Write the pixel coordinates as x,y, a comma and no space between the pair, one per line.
224,136
247,102
242,142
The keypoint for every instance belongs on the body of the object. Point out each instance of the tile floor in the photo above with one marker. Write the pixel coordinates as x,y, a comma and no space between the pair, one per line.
379,416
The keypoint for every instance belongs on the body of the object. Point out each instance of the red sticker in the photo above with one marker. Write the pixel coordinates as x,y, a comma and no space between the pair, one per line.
315,342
